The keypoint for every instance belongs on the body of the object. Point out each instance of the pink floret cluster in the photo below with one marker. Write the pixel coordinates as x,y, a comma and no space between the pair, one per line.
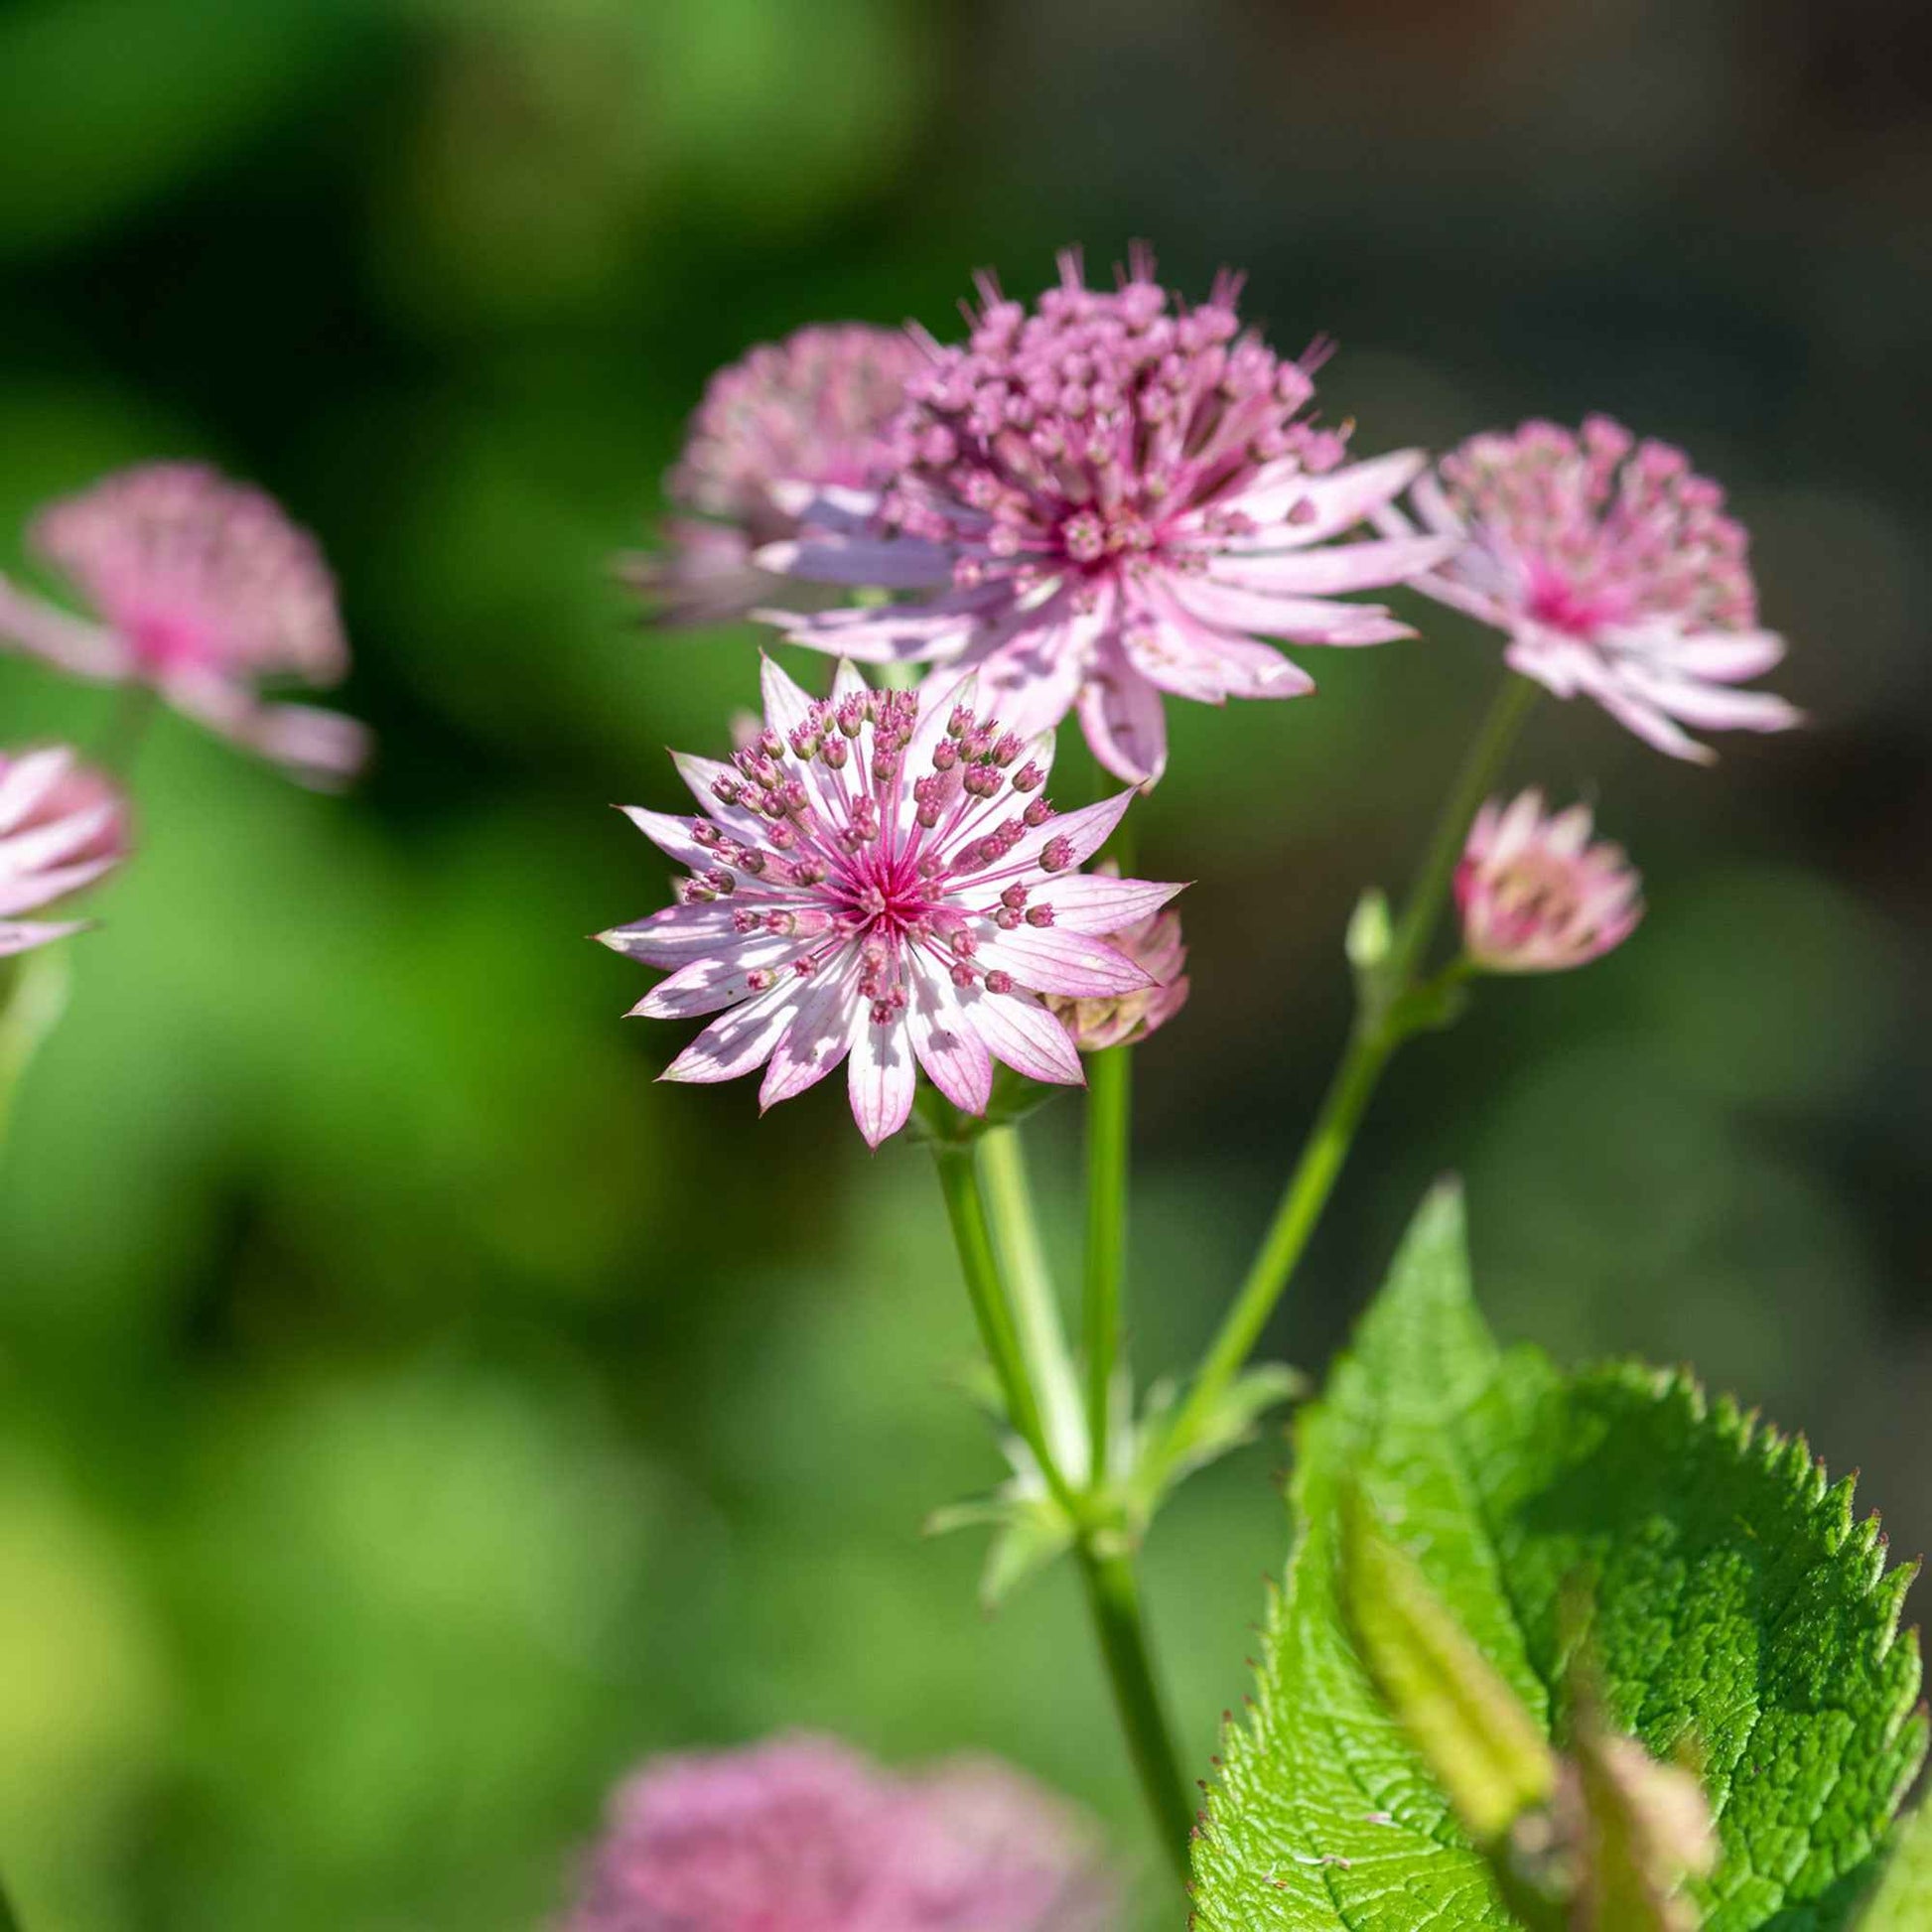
1614,571
805,1835
784,421
1104,501
200,589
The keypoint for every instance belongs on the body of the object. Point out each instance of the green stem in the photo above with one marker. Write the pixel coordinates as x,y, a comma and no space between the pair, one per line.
1380,1027
1035,1307
1481,769
33,997
966,1209
1113,1594
1306,1194
1110,1102
126,729
1115,1599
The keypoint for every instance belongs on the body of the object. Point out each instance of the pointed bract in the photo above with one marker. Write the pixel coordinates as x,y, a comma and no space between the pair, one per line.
1133,920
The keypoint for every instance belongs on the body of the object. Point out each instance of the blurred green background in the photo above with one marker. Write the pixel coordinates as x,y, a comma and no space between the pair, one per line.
409,1414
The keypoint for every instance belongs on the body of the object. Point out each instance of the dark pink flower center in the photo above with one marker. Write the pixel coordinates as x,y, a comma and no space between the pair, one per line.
1563,605
165,640
882,892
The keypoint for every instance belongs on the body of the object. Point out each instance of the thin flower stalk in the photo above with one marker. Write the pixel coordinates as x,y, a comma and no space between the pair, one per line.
1391,1000
1106,1567
1110,1105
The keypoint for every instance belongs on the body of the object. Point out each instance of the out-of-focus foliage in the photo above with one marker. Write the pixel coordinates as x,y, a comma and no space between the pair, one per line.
409,1415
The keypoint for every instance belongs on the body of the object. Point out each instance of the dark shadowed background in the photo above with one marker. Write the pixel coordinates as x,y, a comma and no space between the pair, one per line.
409,1414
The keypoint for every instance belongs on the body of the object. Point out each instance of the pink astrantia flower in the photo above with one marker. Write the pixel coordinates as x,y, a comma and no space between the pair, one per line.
805,1835
882,876
1156,947
1107,500
782,422
61,827
201,588
1536,896
1613,571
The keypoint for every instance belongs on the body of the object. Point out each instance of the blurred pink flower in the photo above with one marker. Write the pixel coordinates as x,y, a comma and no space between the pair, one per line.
882,876
805,1835
783,421
1613,571
61,826
1536,896
1107,501
201,588
1156,947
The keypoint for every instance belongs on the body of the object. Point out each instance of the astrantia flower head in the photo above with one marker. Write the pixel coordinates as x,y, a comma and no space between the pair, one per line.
805,1834
201,589
1109,495
1156,947
62,826
882,876
1536,896
788,419
1614,572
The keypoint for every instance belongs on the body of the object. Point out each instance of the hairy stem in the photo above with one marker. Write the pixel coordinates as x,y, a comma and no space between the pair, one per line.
1481,766
986,1289
1114,1596
1035,1307
1110,1100
33,997
1308,1192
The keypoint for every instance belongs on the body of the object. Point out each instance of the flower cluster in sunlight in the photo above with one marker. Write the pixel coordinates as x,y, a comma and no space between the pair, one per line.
1093,502
1614,572
884,879
1110,500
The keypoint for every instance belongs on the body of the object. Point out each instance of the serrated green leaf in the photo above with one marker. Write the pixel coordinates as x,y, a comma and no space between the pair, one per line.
1735,1609
1903,1900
